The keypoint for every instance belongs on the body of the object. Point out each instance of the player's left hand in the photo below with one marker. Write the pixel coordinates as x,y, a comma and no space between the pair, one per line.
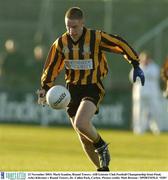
137,72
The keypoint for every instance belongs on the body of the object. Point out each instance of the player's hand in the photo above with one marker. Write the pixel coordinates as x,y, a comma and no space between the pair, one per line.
137,72
41,93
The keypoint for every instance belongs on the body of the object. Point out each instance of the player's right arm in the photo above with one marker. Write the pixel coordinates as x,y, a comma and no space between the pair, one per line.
53,65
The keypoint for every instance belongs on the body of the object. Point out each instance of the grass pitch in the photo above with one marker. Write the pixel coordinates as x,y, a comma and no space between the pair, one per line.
35,148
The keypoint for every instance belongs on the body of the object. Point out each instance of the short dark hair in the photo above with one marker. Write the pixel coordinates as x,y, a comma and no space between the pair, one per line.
74,13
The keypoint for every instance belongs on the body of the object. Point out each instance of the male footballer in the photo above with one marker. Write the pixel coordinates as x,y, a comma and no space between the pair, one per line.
81,52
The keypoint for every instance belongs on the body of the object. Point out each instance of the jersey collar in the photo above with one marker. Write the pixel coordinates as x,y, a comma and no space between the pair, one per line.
82,36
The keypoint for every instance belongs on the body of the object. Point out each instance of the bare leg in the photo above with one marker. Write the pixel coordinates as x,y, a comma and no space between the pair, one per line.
82,121
89,149
89,137
85,130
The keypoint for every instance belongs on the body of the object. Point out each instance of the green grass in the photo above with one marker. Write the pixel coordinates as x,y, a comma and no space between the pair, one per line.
35,148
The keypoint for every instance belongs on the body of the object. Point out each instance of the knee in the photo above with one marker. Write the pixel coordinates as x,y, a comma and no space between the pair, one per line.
80,126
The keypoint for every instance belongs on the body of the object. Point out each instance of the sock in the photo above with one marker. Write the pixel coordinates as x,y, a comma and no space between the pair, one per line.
100,142
103,169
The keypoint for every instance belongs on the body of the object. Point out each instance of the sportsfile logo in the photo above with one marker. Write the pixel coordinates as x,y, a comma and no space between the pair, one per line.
15,175
2,175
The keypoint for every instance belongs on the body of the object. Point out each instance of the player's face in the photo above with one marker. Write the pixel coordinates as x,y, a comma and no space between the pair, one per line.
74,27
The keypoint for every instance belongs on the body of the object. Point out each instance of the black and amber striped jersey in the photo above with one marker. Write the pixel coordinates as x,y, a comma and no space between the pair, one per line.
84,61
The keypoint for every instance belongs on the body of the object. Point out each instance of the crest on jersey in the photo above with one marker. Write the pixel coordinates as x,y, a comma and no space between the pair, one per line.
86,49
65,50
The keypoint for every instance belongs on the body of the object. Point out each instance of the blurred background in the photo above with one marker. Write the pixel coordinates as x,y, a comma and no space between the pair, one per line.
28,28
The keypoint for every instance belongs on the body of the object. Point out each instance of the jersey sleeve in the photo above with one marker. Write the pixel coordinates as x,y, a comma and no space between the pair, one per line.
114,43
53,65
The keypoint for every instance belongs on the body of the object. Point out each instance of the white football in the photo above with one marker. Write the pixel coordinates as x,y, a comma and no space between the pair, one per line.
58,97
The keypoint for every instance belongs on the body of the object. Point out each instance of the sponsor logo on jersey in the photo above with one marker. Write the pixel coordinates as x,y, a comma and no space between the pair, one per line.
81,64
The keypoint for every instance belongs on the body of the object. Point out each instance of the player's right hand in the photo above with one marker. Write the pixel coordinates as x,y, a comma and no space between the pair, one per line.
41,93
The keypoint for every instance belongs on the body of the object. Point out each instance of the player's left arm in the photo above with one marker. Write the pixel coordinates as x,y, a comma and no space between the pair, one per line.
116,44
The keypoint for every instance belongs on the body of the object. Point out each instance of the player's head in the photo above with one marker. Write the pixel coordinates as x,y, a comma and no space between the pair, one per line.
74,21
145,57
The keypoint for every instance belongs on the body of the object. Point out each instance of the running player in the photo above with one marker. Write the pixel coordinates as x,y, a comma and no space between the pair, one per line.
81,51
